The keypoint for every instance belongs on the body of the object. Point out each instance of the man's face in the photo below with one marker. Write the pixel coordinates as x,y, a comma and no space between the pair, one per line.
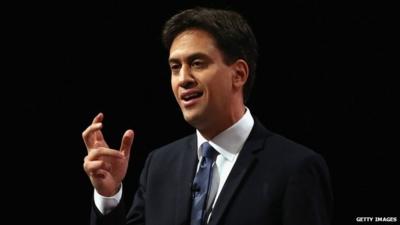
201,81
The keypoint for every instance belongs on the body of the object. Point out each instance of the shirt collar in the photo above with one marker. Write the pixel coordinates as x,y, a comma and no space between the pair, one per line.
230,141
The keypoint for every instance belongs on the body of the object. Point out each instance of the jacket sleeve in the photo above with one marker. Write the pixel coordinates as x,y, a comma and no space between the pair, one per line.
136,215
308,198
115,217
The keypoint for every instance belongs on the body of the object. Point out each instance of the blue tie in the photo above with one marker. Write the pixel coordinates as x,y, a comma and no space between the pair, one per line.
202,183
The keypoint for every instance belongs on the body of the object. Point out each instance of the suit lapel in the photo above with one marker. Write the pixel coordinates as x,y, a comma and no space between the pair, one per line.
243,164
186,170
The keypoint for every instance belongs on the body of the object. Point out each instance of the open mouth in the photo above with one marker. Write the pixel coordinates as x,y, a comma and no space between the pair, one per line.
190,97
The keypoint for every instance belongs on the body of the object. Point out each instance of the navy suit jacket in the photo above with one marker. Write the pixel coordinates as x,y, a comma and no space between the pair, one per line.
273,182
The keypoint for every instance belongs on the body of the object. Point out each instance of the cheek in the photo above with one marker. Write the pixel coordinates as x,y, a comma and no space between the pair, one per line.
220,84
174,86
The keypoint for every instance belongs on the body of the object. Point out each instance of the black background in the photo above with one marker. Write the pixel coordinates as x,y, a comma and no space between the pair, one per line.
325,79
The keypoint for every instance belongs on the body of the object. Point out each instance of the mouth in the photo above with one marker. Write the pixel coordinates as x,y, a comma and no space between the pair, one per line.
191,97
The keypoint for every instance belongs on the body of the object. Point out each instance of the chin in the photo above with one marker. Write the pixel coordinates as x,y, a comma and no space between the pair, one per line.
193,118
189,117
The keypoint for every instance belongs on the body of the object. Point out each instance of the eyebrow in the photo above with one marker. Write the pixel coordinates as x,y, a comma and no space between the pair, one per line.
191,57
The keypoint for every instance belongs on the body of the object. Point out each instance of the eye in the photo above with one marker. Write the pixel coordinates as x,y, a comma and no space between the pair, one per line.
198,64
174,67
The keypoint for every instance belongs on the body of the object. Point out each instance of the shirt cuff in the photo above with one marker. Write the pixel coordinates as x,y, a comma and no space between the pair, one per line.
106,204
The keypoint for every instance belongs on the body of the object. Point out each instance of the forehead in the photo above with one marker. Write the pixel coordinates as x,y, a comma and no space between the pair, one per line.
193,41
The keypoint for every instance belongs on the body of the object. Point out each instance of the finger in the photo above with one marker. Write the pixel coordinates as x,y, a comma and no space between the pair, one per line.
96,153
98,135
126,143
88,134
92,167
99,174
90,129
99,118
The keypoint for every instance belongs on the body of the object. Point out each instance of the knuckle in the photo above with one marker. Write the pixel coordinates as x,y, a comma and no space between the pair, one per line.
93,152
85,133
85,166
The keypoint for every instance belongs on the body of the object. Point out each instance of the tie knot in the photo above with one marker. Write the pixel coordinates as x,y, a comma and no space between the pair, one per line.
208,151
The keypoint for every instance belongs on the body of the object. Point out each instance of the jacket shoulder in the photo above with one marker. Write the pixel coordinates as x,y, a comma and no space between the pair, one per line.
283,149
176,147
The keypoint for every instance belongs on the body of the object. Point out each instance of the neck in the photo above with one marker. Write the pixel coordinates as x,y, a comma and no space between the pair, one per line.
222,123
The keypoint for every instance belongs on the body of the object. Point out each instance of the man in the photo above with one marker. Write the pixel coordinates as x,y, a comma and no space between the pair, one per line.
233,171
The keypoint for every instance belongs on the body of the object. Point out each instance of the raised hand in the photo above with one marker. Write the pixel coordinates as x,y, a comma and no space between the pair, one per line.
105,167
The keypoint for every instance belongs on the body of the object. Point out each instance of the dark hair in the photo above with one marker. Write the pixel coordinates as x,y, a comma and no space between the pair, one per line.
232,34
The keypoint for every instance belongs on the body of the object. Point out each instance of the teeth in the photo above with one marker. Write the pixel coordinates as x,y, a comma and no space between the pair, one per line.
191,95
187,97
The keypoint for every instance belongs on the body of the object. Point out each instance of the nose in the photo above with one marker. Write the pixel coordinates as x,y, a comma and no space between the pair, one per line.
186,79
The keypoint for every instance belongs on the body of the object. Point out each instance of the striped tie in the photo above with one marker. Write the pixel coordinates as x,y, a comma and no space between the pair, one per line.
202,183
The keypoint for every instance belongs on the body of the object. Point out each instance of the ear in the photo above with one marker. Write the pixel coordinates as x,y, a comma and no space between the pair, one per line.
240,73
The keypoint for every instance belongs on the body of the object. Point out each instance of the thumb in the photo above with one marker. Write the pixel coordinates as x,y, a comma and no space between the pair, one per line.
126,143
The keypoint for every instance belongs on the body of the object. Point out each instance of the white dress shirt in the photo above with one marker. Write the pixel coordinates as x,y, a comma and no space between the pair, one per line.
228,144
